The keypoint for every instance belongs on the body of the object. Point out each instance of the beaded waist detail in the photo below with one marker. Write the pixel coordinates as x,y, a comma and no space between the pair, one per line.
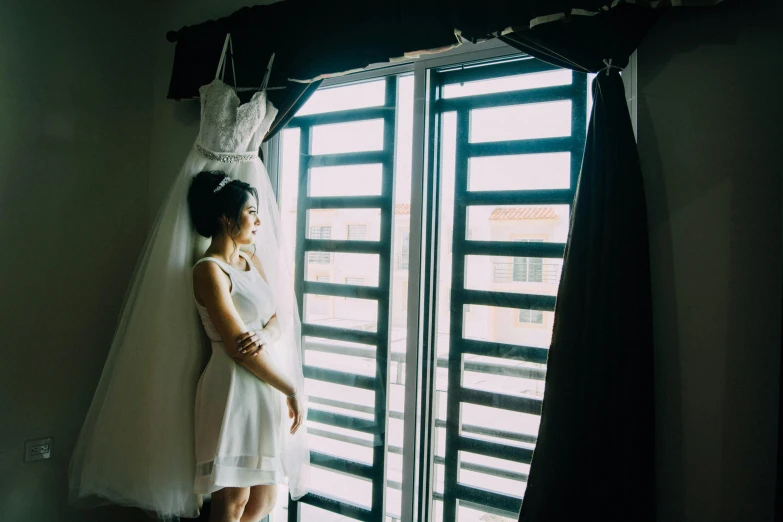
226,157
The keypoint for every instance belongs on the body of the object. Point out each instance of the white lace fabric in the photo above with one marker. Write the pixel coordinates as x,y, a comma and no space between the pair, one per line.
227,126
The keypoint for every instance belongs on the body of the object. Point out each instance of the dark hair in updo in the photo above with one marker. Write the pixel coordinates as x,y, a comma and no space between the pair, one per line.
207,206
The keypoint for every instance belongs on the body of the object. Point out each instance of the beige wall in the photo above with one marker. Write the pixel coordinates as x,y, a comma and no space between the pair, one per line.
75,114
710,112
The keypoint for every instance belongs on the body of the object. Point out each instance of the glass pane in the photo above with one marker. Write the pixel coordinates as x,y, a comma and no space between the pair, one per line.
340,356
348,180
352,224
517,82
518,424
355,136
508,377
347,444
341,312
345,400
520,172
518,275
548,223
339,266
314,514
476,513
521,122
342,486
503,325
355,96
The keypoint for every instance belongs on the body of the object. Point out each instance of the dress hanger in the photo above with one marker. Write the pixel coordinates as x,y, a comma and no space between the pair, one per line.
221,70
268,72
228,49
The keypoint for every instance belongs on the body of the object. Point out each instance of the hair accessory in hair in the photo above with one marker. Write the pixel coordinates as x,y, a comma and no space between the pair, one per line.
222,184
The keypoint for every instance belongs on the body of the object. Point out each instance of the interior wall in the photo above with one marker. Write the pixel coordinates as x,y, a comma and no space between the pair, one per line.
709,100
75,114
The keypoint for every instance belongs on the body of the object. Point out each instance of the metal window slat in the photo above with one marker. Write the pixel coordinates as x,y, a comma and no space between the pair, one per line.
484,497
353,351
342,246
339,334
513,249
341,465
336,377
338,420
341,202
501,99
506,351
347,158
519,197
437,495
545,303
339,507
518,147
496,450
490,432
341,290
500,401
520,372
346,116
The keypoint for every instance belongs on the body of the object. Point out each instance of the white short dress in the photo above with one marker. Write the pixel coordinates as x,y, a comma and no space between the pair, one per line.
238,417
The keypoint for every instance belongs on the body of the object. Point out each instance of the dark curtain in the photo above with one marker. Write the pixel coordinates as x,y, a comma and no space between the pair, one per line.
313,38
595,452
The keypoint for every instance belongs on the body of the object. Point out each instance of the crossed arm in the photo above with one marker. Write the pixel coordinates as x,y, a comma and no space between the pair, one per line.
213,288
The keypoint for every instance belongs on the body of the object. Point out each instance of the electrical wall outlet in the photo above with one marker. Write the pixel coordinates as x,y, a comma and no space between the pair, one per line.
38,449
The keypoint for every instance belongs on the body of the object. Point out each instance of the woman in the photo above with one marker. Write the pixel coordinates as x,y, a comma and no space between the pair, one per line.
239,394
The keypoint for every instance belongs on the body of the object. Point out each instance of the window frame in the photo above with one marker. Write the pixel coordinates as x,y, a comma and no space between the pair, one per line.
423,243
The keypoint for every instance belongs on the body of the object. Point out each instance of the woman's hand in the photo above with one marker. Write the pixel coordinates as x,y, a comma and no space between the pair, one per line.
294,412
251,343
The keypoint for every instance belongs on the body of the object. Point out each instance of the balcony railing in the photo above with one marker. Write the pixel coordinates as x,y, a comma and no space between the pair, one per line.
547,273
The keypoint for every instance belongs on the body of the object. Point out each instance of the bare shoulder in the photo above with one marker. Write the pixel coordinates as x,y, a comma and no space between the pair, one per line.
209,275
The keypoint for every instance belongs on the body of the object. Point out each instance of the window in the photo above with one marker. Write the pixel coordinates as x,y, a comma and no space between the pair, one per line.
405,251
501,162
357,232
528,269
530,317
321,258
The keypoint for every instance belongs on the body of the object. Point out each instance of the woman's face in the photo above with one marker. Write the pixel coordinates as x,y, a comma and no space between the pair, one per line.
249,223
